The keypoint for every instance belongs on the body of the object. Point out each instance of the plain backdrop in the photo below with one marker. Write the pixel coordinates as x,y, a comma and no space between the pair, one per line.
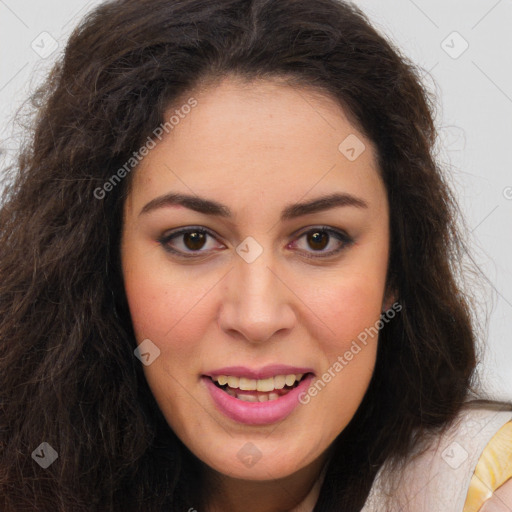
464,48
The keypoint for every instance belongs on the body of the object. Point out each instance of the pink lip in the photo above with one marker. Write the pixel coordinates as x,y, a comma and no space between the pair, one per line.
257,413
262,373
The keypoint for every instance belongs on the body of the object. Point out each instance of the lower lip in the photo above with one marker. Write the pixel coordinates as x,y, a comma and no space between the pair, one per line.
257,413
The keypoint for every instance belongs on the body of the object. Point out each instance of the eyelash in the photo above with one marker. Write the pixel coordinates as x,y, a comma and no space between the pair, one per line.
333,233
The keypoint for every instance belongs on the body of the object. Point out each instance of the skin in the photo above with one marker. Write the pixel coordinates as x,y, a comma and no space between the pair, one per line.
256,148
501,500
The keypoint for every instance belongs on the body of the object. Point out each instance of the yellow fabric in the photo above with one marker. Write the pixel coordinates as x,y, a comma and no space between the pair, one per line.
494,468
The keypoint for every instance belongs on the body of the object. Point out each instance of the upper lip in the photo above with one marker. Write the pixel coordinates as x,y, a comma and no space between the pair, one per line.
261,373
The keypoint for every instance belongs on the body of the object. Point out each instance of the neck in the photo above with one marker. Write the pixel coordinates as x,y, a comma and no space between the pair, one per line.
295,493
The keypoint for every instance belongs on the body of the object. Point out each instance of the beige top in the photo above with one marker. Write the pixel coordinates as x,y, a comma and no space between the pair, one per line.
438,478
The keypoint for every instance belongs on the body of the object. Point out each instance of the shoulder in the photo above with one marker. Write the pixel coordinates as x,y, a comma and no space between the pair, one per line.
491,484
438,478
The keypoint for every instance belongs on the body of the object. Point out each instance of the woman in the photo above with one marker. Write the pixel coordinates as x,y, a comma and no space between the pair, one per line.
229,276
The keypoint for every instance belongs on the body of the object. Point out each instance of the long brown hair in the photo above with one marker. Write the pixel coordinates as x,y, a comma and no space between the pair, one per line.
68,375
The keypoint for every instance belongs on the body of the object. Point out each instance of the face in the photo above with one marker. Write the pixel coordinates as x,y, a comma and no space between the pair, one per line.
254,254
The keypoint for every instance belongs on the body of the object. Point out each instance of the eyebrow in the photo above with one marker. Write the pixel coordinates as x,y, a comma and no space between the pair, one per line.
210,207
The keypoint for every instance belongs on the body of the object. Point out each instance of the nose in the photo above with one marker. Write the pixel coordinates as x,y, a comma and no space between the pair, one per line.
256,303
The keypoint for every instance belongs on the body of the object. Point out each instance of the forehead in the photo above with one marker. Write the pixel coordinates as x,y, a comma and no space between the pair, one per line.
259,140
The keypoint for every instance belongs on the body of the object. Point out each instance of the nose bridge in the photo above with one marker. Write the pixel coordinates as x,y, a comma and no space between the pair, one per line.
257,286
256,304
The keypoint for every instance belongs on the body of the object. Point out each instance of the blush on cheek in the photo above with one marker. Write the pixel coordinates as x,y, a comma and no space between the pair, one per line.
169,323
349,310
153,308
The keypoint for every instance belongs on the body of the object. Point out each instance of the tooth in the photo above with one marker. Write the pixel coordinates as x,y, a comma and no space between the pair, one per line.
266,385
231,392
279,381
247,384
247,398
273,396
233,382
290,380
261,385
262,398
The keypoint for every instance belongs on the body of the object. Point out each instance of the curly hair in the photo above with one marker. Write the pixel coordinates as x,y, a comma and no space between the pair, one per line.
68,375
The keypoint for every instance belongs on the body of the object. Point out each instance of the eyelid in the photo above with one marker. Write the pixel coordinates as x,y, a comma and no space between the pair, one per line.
319,227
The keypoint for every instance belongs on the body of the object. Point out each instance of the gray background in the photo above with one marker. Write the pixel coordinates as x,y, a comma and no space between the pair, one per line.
465,50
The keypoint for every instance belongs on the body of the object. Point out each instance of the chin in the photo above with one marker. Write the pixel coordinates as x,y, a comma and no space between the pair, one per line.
258,459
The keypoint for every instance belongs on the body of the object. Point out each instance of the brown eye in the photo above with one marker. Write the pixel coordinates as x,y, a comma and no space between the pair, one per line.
322,242
190,242
318,240
194,240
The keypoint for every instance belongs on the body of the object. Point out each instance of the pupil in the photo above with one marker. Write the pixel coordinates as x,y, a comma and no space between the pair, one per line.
194,240
318,240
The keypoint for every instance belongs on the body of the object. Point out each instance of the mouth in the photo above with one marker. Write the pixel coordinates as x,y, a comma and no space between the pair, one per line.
258,390
257,398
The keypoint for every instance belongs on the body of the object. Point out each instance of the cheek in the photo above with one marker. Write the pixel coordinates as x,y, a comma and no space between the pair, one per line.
349,298
170,312
164,308
347,306
348,342
353,315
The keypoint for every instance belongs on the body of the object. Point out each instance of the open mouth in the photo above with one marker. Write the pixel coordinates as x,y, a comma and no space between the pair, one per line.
263,390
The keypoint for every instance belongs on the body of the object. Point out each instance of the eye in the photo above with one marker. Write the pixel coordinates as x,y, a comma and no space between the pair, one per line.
196,241
322,240
188,242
